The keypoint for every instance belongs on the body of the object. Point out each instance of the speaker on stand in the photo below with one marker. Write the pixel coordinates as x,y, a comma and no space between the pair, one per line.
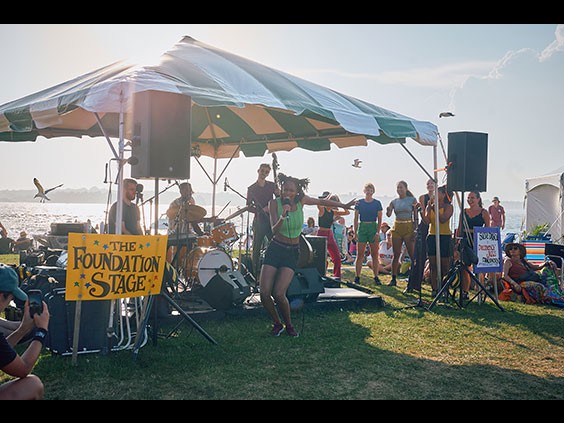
467,161
161,135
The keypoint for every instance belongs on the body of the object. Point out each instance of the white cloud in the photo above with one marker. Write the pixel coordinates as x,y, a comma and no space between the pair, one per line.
441,77
556,45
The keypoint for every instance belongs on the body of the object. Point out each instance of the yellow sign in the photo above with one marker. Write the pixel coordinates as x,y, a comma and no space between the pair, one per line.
10,259
106,267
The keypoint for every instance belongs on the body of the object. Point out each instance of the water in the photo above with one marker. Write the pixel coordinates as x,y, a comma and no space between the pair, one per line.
36,218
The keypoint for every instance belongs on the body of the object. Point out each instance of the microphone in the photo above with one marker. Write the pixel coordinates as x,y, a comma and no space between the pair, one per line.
225,185
139,190
286,202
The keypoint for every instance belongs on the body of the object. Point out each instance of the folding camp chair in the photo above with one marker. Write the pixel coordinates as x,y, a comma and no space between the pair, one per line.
555,252
538,251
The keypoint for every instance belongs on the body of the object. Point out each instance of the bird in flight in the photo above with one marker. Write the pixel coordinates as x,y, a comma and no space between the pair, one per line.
446,114
41,192
357,163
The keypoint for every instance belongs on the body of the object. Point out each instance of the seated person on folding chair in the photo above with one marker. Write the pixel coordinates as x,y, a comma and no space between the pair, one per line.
522,277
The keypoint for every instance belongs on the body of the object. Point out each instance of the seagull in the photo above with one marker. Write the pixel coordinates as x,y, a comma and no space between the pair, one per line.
446,114
41,192
357,163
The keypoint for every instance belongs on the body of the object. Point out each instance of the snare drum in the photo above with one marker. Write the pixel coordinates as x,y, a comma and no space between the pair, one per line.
225,233
202,264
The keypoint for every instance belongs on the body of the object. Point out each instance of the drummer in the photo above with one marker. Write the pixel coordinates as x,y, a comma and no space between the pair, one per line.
177,212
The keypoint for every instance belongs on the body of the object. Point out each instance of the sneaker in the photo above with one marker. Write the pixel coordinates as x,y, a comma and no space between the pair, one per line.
291,331
277,329
407,291
357,279
393,282
377,281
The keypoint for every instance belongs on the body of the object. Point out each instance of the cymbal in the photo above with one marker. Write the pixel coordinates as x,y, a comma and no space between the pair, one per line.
189,212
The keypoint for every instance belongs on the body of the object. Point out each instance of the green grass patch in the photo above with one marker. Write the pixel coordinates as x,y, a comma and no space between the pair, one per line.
348,352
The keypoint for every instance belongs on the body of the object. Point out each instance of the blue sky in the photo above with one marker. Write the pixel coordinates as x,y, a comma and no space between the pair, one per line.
504,80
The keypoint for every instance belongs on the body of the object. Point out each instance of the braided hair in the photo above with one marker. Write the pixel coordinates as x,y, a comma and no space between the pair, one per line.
301,185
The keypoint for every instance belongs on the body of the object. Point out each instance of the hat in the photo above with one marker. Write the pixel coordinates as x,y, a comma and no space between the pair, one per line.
522,249
9,282
325,194
385,223
23,234
495,199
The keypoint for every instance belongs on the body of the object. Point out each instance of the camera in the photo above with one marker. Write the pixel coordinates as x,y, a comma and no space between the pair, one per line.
35,297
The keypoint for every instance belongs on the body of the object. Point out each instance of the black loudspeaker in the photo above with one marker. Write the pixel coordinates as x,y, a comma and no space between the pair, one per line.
554,251
226,290
306,284
94,321
319,246
161,135
467,161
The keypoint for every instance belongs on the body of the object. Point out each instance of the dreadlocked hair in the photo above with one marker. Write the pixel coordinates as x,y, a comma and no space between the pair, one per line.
301,184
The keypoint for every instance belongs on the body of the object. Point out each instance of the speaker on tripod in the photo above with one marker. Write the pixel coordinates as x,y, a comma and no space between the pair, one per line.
467,161
161,135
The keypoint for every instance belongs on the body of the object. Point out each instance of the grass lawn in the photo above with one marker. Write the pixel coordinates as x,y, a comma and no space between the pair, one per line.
349,352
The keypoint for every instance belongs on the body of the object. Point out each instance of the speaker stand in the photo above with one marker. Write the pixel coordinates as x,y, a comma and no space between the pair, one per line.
150,308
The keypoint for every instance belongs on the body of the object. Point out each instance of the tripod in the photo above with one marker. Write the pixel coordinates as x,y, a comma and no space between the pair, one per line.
455,273
150,308
418,304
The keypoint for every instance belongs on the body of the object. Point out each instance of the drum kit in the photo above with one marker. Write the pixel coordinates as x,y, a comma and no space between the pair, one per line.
198,258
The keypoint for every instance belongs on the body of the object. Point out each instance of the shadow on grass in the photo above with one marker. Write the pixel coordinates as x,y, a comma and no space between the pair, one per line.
541,320
339,355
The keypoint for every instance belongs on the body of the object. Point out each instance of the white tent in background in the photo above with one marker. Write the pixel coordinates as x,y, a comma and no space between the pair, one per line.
544,203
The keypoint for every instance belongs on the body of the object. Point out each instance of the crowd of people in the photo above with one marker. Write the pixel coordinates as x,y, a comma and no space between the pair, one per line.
407,247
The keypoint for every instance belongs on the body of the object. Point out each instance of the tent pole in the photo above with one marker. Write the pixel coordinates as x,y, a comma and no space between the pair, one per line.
119,209
116,156
437,220
214,185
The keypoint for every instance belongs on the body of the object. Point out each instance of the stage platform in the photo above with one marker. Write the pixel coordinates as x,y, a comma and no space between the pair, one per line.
341,297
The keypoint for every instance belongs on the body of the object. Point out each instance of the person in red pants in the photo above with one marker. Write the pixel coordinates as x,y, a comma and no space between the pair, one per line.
328,215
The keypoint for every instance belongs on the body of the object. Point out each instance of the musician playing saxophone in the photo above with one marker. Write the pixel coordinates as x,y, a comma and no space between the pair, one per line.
282,254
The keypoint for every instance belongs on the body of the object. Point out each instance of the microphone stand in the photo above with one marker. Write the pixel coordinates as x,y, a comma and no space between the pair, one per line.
236,192
156,195
253,203
139,197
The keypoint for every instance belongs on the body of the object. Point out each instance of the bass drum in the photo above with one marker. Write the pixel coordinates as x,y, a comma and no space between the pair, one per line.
202,264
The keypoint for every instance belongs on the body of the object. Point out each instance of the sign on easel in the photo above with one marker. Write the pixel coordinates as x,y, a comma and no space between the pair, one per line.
487,245
109,267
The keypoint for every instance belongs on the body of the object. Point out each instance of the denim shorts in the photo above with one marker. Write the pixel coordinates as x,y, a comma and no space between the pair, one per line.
280,255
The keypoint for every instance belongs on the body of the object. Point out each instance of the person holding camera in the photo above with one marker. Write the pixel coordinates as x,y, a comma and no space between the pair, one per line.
25,386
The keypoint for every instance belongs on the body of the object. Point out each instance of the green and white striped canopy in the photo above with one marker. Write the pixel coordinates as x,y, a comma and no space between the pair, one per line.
237,106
